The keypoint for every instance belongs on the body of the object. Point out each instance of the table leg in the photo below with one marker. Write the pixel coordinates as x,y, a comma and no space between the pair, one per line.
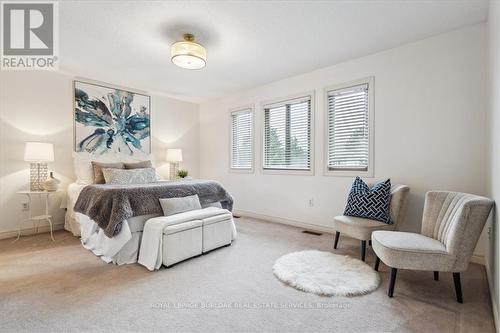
46,204
18,232
50,225
38,226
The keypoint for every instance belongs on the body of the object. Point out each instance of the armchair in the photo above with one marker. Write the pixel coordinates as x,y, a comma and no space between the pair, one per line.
451,225
361,228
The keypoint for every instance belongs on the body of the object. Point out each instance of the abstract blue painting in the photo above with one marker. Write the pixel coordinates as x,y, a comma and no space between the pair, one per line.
111,120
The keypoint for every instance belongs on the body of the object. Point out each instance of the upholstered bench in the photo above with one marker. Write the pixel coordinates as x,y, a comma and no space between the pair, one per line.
182,241
185,235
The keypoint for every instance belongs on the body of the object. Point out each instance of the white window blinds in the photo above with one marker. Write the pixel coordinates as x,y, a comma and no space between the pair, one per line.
241,139
348,137
287,135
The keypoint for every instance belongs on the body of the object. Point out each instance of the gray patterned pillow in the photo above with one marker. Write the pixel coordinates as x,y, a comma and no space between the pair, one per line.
132,176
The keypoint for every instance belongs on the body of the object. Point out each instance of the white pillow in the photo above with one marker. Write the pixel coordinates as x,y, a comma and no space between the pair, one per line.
171,206
129,176
83,171
82,163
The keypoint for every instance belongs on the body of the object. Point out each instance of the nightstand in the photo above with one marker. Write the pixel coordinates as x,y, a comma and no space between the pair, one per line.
43,196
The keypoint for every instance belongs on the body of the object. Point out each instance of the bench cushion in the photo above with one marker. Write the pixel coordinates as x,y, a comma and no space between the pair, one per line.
175,228
217,218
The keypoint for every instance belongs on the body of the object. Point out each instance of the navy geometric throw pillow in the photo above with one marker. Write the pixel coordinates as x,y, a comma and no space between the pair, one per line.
372,203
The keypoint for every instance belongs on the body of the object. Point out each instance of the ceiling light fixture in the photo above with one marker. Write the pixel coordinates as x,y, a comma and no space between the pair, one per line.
188,54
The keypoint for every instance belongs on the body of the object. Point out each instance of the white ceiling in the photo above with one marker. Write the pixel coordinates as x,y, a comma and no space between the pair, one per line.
248,43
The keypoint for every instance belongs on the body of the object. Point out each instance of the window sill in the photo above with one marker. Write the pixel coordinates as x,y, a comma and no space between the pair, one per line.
232,170
349,173
288,172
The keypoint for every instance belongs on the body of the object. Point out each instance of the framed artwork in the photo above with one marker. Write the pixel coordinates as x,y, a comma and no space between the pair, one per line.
111,120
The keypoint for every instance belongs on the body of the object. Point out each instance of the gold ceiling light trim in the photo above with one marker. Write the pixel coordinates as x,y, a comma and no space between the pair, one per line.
188,54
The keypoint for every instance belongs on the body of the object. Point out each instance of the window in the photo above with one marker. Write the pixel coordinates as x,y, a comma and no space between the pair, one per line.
287,135
242,139
348,128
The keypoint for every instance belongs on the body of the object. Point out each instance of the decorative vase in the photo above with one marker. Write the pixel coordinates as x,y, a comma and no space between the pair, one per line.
52,183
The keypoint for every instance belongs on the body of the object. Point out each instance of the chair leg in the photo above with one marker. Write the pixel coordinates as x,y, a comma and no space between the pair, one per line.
337,236
436,276
377,263
392,282
363,250
370,242
458,287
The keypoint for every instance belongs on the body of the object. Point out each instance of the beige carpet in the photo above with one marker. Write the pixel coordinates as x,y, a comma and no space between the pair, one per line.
60,286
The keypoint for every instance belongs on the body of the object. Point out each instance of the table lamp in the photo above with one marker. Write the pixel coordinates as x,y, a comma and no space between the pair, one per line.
174,157
38,154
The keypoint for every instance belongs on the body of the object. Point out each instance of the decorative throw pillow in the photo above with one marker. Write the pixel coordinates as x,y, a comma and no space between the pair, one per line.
134,176
171,206
369,203
138,165
98,166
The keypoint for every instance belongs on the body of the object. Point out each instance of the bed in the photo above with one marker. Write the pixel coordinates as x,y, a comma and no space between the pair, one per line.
121,246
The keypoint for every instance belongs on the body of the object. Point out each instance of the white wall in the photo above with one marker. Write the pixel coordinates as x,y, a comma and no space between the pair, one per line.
493,252
429,129
38,106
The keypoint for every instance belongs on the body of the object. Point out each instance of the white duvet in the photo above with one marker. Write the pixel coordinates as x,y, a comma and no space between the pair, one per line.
70,222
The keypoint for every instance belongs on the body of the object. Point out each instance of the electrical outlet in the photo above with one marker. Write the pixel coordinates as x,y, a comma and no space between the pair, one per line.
26,206
311,202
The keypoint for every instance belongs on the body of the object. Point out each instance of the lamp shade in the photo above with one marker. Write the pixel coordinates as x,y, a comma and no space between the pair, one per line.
38,152
174,155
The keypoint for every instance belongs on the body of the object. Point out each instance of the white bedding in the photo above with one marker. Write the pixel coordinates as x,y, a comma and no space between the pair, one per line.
124,247
120,249
70,222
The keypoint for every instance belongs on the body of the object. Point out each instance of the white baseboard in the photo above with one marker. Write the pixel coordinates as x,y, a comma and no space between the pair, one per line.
31,230
477,259
282,220
494,305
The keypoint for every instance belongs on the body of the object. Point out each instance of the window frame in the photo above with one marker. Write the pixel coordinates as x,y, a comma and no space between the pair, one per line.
370,81
250,107
310,172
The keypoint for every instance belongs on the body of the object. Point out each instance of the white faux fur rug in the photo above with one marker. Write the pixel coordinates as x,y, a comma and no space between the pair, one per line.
325,273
